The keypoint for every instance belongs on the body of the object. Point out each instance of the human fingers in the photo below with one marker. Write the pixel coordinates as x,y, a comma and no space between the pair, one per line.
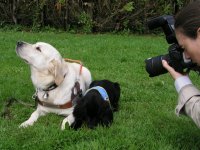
171,70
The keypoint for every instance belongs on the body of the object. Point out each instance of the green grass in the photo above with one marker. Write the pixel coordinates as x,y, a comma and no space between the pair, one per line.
146,119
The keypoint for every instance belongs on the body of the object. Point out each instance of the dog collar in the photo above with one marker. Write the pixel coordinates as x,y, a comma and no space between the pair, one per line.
101,91
51,87
68,104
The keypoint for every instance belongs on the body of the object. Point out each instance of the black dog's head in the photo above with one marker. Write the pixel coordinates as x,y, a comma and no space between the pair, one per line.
93,109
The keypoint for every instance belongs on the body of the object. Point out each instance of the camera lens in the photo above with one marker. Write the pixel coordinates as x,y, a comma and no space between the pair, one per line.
154,65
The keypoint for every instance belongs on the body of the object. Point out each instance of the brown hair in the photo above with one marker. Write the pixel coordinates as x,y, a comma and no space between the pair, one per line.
188,19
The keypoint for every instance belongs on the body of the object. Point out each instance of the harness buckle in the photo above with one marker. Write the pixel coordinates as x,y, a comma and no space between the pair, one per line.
34,96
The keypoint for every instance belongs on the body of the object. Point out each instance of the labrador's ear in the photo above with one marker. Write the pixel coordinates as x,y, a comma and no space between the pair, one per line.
57,69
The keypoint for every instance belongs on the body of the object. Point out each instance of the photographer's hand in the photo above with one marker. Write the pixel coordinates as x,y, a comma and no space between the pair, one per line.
171,70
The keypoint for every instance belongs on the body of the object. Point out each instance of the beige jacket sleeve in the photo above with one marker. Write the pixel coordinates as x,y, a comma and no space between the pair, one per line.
189,103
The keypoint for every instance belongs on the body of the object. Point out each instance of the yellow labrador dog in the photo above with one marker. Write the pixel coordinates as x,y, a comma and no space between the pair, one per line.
56,81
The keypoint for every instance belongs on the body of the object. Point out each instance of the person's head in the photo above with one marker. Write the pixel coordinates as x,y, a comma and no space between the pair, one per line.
187,29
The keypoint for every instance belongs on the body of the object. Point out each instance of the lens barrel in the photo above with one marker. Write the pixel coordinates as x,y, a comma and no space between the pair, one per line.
154,65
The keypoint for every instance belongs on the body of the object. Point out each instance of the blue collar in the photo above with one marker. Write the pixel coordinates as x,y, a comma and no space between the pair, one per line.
101,91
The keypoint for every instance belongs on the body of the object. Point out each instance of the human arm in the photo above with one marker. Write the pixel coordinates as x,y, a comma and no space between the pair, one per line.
189,95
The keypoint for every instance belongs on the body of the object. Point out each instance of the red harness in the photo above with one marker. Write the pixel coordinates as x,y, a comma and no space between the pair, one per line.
76,87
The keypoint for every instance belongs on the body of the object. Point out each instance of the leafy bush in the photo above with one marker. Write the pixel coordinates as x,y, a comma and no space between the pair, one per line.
87,16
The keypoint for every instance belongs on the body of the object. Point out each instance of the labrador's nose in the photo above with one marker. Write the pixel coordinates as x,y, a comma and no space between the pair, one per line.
19,43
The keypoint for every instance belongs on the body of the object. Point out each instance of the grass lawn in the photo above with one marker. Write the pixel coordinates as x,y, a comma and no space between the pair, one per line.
146,119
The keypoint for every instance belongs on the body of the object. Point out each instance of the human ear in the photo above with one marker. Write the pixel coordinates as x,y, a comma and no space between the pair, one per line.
198,32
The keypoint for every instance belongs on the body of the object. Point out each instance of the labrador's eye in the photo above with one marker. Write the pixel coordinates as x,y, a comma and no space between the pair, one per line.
38,49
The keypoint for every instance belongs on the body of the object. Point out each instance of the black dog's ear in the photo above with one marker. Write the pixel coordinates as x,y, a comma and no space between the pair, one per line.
117,86
79,113
115,103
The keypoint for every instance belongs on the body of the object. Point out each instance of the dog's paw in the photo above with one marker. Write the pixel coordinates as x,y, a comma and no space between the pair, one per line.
63,124
70,119
25,124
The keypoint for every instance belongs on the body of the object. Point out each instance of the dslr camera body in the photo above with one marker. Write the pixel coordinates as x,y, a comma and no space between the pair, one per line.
175,56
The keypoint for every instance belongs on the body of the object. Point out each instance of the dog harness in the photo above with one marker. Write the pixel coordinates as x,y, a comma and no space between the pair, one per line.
75,61
74,94
69,104
101,91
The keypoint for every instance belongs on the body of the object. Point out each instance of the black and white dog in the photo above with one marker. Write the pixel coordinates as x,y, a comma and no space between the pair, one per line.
97,105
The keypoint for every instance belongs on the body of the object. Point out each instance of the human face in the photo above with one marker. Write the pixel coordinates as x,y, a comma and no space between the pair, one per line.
191,46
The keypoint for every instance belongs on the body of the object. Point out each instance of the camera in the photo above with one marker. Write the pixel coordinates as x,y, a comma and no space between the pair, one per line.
175,56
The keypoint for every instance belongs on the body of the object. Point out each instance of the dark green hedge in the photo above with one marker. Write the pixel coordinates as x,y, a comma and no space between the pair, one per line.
86,15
